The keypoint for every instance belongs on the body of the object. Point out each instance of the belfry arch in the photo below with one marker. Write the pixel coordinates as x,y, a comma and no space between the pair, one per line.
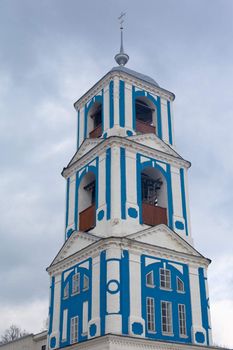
87,202
146,115
154,203
95,120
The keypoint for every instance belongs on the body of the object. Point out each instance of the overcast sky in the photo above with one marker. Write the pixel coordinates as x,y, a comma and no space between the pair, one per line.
51,52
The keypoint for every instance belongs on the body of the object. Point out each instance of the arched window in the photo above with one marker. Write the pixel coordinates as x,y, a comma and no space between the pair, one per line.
146,116
87,205
95,120
154,197
179,285
150,279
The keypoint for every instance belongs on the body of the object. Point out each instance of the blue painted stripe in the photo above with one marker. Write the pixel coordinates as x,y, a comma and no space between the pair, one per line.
96,172
204,303
78,129
122,102
102,111
169,122
111,104
108,182
182,186
76,202
67,200
51,304
169,195
125,298
159,121
139,190
103,293
85,121
123,183
133,109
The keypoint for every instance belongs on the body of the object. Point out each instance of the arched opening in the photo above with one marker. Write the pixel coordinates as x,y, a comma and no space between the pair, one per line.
146,115
95,120
87,202
154,197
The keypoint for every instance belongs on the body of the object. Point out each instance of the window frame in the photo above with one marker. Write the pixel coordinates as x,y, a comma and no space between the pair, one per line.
165,279
168,318
74,331
150,315
182,319
150,285
177,285
74,290
86,278
66,291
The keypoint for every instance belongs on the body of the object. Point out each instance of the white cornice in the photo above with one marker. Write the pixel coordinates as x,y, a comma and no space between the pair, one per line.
132,146
133,246
141,84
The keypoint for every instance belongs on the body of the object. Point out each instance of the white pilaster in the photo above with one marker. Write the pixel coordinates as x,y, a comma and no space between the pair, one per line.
113,319
195,303
56,310
106,107
164,120
128,106
135,293
95,312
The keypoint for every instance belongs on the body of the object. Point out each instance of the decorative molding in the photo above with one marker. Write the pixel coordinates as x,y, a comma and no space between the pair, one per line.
125,243
104,81
130,145
117,342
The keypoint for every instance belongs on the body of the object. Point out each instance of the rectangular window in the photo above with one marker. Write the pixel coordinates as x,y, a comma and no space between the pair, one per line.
43,347
76,283
165,278
166,310
182,319
150,314
74,329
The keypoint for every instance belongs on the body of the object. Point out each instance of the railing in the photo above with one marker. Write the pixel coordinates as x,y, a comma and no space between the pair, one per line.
97,132
87,218
144,128
153,215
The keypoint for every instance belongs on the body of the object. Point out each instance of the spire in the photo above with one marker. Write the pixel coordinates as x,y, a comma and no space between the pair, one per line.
121,58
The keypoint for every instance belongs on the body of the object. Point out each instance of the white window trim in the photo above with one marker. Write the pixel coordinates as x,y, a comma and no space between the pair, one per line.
162,287
78,291
147,323
76,321
164,332
185,321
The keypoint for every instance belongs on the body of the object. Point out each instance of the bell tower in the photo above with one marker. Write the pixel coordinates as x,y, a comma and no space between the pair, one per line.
128,266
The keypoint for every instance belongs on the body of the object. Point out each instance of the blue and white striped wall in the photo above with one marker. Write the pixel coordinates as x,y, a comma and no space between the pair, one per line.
118,198
118,102
115,301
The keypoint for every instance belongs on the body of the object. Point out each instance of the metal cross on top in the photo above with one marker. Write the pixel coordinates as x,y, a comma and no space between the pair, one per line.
121,19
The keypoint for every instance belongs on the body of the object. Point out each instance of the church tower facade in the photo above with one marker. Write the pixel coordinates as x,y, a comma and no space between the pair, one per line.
128,272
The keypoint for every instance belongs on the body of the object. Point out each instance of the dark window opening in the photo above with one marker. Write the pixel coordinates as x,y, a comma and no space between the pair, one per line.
144,113
97,117
150,188
95,121
91,188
